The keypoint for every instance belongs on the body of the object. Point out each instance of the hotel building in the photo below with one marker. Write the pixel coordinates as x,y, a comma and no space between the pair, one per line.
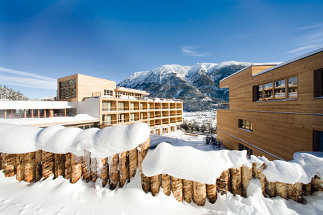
102,101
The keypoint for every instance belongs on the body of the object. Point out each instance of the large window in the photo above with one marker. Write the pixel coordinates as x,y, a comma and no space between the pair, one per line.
245,124
276,90
106,119
67,89
121,118
121,106
292,87
280,89
132,106
106,106
268,91
132,117
318,83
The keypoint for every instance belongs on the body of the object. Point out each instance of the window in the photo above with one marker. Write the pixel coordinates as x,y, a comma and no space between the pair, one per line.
243,147
106,119
106,106
67,89
108,92
245,124
257,92
132,117
132,106
280,89
120,106
292,87
121,118
318,83
268,91
318,141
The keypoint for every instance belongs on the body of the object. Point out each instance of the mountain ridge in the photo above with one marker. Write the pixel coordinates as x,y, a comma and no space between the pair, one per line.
197,85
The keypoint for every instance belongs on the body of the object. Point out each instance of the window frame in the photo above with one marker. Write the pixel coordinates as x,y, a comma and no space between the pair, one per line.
318,83
255,90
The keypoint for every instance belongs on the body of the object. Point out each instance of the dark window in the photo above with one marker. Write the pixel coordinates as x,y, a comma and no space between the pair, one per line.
318,83
257,92
245,124
318,141
243,147
108,92
67,89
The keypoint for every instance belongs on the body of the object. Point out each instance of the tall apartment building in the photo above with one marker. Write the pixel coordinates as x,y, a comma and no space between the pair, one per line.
275,110
102,101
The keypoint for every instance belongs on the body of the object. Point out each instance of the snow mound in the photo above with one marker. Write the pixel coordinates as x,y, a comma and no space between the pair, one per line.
302,169
189,163
61,140
17,138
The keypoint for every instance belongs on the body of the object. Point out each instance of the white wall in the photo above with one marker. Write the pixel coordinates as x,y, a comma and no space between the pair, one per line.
90,106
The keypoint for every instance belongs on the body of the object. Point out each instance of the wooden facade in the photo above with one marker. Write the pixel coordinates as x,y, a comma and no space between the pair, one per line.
285,118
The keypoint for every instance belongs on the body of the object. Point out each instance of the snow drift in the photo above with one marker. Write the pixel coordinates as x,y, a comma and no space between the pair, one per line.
108,141
189,163
206,166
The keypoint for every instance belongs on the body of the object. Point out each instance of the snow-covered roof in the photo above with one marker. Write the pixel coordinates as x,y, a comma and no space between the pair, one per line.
254,64
13,105
291,61
131,90
42,122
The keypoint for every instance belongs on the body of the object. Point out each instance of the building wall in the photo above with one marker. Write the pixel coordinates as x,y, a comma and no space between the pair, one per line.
164,114
240,88
279,127
280,134
90,106
86,86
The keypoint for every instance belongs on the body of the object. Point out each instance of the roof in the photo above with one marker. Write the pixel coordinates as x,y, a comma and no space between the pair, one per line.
291,61
124,89
14,105
254,64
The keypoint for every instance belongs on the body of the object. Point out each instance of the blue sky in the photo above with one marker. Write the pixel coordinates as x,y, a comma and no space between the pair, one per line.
43,40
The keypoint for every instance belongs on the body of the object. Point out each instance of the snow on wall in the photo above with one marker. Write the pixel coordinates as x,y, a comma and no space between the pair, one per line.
58,139
301,169
189,163
206,166
90,106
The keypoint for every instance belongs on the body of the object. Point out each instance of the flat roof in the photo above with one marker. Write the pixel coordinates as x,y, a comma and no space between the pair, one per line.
124,89
14,105
42,122
291,61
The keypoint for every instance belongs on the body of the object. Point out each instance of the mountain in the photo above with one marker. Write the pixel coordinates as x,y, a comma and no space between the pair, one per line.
197,85
9,94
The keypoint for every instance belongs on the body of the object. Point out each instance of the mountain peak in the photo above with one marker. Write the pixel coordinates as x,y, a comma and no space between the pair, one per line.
197,85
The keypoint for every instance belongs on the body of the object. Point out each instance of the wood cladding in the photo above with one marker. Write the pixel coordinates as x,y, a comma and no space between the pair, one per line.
279,127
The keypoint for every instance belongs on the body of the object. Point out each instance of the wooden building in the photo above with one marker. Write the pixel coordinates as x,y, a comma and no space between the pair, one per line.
275,110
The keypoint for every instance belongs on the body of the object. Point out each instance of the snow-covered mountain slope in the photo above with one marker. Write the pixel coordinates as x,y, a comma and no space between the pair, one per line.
197,85
10,94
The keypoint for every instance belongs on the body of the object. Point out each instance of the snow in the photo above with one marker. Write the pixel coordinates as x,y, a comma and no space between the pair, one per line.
200,117
179,138
17,138
61,197
302,169
51,120
189,163
58,139
8,105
